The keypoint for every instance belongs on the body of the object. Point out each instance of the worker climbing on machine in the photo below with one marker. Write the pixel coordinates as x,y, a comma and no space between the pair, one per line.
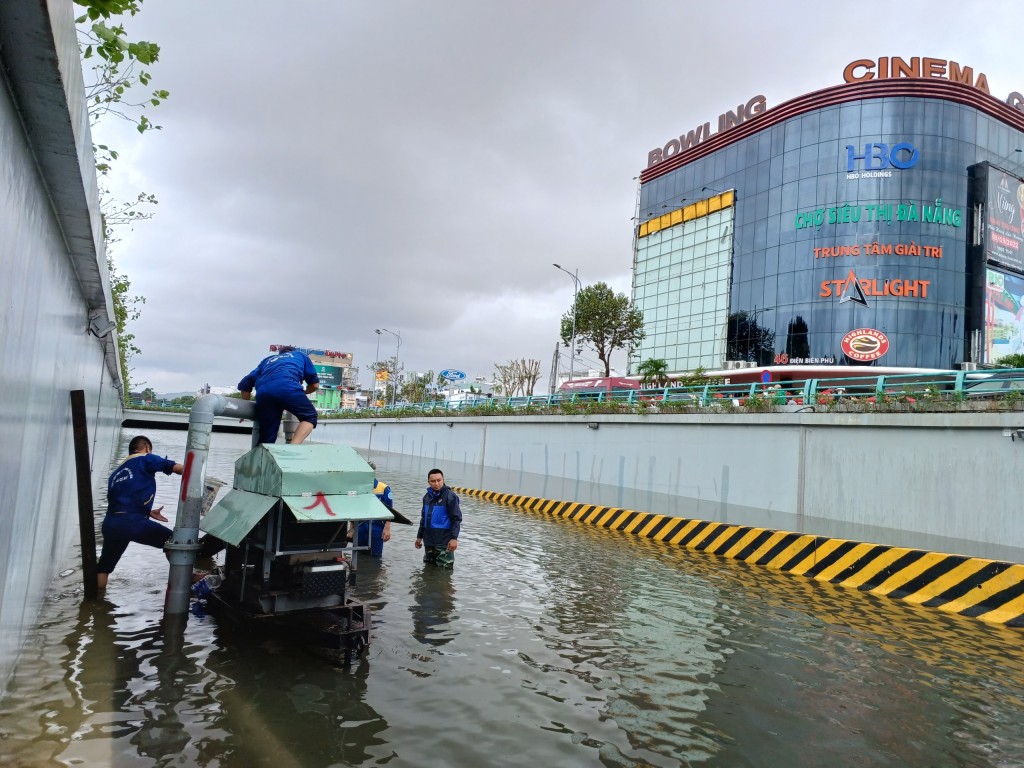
130,514
278,382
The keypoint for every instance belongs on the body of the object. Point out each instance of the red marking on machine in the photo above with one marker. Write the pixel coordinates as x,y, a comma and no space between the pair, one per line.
321,500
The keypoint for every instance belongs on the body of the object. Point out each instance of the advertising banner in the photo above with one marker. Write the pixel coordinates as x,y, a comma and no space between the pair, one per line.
331,377
1004,238
1004,315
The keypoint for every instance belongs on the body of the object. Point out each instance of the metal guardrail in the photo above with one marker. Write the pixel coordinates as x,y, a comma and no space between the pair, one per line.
910,388
954,386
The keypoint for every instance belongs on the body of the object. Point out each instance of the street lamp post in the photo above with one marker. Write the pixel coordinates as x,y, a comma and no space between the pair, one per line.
575,293
398,346
376,360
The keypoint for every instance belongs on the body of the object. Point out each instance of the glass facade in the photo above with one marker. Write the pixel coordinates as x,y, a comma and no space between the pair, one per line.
850,226
681,284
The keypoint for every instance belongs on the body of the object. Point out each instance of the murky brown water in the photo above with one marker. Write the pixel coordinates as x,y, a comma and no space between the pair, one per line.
550,644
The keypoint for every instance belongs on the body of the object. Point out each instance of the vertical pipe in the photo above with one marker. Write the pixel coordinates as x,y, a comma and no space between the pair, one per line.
184,541
86,515
291,423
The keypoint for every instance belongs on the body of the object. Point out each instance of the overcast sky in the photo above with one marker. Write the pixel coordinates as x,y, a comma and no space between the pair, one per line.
329,168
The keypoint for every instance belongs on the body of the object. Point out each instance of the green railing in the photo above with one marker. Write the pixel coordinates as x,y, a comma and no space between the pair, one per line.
920,389
910,388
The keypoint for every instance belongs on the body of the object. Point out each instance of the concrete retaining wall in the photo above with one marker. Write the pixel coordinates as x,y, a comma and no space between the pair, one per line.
941,482
54,276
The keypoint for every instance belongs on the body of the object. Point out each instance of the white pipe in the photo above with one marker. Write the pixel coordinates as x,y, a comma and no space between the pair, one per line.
184,542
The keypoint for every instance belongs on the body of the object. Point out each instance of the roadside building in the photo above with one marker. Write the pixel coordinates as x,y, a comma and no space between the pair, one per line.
872,223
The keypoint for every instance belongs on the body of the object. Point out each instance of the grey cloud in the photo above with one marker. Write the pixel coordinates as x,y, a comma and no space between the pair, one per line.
327,168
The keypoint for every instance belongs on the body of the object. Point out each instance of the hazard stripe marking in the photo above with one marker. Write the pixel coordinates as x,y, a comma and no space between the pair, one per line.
988,590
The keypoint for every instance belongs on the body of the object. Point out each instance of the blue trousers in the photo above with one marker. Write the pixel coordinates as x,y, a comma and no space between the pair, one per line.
376,537
119,530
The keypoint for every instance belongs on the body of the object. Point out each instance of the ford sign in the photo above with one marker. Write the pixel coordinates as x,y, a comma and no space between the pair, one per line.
452,375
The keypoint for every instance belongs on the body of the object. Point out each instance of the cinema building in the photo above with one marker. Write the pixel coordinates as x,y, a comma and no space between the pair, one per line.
873,223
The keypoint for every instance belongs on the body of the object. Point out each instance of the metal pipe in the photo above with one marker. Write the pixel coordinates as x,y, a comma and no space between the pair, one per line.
376,362
398,348
289,425
184,541
575,294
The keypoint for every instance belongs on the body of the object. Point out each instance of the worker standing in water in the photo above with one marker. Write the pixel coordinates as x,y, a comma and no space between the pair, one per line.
373,533
440,522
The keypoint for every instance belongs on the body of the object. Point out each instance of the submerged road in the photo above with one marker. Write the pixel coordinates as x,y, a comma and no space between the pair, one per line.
551,643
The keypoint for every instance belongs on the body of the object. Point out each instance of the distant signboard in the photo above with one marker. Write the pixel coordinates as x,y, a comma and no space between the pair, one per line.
1003,235
331,376
1004,320
452,375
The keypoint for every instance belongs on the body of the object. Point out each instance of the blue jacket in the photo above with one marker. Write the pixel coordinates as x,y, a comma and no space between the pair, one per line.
441,519
383,491
280,374
132,486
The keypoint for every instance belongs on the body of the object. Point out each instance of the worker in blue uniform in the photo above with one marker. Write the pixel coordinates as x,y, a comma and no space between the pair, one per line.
130,517
373,533
278,381
440,522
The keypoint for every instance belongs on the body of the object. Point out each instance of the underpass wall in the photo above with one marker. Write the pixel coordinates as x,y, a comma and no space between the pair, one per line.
54,280
913,479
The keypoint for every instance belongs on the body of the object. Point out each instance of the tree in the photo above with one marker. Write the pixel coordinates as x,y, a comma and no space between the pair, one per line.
1011,361
504,379
416,389
118,65
386,393
605,320
126,309
517,377
530,372
653,372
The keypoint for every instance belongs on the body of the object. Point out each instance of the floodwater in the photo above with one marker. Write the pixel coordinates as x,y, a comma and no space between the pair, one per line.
552,643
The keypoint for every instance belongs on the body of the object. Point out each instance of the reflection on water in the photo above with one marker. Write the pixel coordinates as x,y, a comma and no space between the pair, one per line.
550,643
433,600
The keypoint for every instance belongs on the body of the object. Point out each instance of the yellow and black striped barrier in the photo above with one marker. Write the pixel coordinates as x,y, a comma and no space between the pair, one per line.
989,590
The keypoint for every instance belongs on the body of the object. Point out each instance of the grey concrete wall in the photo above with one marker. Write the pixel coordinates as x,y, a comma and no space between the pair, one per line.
945,482
54,274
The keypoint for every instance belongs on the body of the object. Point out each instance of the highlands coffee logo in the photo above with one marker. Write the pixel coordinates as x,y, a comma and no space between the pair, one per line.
865,344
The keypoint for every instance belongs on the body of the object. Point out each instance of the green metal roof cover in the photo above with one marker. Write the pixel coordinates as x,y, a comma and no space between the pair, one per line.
318,483
294,470
239,512
236,514
320,508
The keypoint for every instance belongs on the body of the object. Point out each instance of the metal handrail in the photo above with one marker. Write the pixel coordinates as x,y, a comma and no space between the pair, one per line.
954,384
912,386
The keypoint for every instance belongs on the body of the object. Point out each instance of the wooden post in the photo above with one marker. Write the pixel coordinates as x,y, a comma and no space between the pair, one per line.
86,514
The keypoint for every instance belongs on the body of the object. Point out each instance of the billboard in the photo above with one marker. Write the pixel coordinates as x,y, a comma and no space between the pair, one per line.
1004,314
331,376
1004,238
